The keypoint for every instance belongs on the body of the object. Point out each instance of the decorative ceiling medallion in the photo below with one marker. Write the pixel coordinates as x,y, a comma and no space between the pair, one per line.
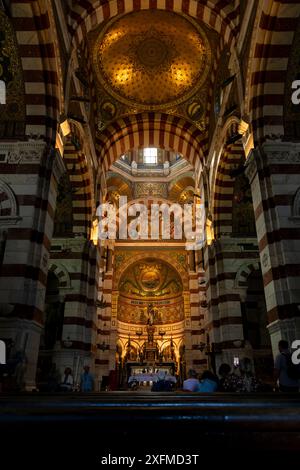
152,59
152,52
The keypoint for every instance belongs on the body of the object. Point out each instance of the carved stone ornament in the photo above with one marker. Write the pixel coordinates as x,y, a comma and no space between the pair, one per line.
284,157
23,152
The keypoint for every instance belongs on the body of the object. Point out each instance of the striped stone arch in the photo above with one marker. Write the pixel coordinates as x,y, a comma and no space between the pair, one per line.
218,48
62,275
79,175
241,279
222,16
8,202
231,157
148,130
33,22
271,46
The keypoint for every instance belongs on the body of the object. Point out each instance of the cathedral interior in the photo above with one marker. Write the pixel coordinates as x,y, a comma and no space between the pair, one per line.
156,102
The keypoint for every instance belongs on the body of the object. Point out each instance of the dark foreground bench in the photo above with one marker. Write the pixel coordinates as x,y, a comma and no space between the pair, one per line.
84,428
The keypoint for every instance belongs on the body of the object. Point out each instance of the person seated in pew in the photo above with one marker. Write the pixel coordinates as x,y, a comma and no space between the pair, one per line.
191,384
208,382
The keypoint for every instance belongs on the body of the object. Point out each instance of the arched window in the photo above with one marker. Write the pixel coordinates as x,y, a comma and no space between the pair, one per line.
150,156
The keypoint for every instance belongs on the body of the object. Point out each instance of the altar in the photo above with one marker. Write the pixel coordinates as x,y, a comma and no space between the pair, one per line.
148,379
148,365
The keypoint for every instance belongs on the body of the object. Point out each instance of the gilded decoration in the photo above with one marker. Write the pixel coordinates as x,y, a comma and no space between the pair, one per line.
151,189
153,60
150,280
164,312
176,258
12,116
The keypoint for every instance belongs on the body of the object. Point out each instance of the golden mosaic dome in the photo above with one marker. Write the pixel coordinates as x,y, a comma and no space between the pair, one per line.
152,59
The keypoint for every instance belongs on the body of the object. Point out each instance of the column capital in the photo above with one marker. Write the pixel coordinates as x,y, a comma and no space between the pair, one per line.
30,152
281,152
272,153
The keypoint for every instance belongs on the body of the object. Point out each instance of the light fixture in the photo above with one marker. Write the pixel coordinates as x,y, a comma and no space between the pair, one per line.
64,125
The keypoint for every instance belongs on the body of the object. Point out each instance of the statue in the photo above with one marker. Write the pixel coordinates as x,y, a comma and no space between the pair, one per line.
151,313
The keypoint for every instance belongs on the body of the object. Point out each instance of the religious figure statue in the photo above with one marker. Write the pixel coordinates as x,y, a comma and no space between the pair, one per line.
151,313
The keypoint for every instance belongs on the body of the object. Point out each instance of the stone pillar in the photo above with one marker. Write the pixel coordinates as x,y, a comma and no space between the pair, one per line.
274,174
225,258
189,353
29,181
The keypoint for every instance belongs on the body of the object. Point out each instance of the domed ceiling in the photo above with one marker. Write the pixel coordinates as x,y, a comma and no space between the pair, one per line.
152,60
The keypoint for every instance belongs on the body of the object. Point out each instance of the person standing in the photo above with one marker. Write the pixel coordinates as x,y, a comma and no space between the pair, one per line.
86,380
284,371
67,382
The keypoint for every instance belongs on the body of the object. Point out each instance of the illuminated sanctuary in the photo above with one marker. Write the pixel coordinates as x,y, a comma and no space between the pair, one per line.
167,103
